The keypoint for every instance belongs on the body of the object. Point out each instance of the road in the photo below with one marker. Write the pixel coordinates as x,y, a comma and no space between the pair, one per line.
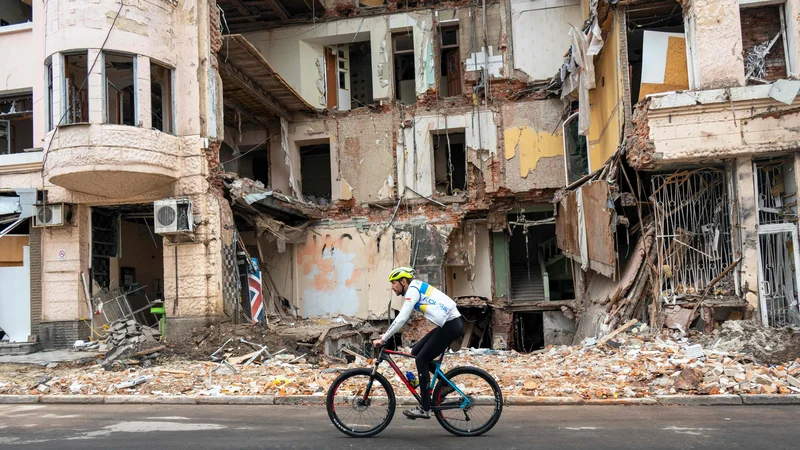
288,427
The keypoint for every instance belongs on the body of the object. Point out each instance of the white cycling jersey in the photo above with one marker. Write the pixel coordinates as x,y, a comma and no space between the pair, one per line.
434,305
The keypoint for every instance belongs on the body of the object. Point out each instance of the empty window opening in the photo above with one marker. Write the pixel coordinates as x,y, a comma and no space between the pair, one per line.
127,257
404,73
161,97
251,161
538,270
16,124
656,49
13,12
577,154
528,332
120,89
315,170
693,232
776,189
76,89
360,74
450,163
763,43
450,60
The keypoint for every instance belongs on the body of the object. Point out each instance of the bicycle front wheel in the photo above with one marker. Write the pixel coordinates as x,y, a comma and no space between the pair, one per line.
475,416
355,413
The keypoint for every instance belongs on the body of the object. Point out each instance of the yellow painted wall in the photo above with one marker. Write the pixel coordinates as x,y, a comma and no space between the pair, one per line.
532,145
606,99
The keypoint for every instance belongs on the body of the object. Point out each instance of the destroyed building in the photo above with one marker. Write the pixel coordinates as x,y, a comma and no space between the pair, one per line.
319,143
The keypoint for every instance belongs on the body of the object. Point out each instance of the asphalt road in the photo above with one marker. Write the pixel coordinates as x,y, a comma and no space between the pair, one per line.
287,427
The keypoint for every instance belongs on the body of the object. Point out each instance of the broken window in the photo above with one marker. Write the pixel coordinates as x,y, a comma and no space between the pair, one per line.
120,89
13,12
16,124
315,170
577,150
161,97
450,163
538,270
360,74
656,49
450,82
404,73
693,232
49,82
105,245
779,257
76,90
764,43
337,75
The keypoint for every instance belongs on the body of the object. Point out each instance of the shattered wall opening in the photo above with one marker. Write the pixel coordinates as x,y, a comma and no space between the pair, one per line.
450,163
16,124
656,49
528,331
764,43
315,172
693,233
779,256
251,161
76,70
538,270
404,68
361,74
120,89
576,156
450,62
13,12
477,328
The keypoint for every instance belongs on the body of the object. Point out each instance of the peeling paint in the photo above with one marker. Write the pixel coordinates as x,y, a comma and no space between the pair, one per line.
532,147
346,189
125,24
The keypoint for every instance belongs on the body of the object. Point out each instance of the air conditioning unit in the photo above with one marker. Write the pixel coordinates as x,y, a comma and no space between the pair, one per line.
50,215
173,216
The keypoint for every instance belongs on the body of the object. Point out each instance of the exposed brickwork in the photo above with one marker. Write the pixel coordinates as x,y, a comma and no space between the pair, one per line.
216,27
760,25
502,329
62,334
640,150
35,242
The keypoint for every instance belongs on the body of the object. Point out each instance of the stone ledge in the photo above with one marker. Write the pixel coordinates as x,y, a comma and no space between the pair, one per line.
72,399
620,401
18,399
770,399
519,400
237,400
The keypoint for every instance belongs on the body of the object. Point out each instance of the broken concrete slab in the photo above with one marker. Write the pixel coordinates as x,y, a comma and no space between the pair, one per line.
48,357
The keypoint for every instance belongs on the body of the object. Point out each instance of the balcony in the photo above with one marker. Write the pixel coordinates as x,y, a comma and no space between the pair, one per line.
112,161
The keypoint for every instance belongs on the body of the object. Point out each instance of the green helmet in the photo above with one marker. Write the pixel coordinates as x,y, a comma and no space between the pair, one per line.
401,272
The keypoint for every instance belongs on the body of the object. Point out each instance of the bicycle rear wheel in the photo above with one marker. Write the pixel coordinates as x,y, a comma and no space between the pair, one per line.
354,415
485,402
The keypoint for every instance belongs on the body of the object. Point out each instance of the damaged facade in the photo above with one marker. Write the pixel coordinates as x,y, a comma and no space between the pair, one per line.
188,152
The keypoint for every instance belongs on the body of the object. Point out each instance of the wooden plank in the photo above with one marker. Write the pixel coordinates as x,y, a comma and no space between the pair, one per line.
237,77
278,8
619,330
467,334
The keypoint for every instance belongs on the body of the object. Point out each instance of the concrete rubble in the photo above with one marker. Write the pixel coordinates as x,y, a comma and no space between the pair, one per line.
631,364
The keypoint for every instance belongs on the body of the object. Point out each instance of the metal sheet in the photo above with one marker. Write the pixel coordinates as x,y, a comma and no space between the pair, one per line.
594,218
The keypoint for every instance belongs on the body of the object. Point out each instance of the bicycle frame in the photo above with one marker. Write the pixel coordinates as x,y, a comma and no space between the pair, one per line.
385,355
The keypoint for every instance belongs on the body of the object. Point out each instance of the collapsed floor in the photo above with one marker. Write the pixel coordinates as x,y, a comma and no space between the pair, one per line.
739,358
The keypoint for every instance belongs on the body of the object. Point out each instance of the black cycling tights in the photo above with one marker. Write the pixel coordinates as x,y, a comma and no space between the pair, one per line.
428,349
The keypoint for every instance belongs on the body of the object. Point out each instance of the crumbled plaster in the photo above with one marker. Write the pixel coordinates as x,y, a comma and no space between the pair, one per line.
125,24
717,43
532,145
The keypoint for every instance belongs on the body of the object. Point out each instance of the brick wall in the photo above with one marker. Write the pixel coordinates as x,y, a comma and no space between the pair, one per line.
35,242
62,334
760,25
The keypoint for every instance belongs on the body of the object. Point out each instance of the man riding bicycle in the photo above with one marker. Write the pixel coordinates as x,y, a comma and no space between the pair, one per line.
435,306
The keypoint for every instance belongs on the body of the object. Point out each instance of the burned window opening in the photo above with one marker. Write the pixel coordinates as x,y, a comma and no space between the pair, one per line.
538,270
161,97
450,163
315,170
404,69
450,62
763,43
16,124
693,232
360,75
120,89
656,49
13,12
528,331
76,90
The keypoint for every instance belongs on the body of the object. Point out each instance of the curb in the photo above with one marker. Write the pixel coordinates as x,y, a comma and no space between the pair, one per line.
319,400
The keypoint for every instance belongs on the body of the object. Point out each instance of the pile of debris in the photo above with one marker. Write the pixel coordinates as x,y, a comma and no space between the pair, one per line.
121,333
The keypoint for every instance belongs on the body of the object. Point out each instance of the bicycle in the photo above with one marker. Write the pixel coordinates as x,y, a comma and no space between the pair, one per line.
354,393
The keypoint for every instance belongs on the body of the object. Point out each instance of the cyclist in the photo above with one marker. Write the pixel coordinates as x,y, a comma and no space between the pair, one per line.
435,306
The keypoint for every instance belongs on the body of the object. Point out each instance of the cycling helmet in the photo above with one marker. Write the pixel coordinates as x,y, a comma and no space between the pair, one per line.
401,272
